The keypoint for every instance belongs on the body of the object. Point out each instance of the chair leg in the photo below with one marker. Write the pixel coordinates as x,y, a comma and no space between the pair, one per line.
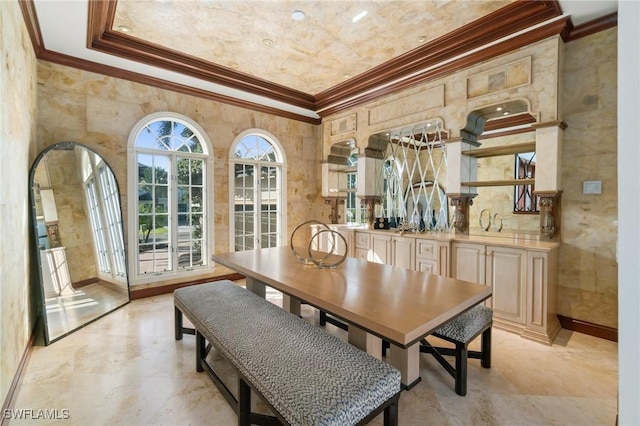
485,359
461,369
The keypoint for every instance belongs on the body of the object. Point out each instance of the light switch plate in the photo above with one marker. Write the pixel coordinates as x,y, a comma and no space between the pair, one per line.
592,187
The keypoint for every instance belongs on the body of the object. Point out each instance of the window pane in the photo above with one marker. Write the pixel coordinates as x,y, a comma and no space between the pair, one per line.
169,207
261,204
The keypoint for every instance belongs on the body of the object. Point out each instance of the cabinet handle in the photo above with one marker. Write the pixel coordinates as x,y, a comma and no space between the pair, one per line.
489,253
482,253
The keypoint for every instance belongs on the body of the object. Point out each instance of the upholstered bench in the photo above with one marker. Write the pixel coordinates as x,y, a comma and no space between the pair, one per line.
306,375
461,331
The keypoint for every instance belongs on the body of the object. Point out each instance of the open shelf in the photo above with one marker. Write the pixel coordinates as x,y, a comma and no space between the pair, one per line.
495,151
506,182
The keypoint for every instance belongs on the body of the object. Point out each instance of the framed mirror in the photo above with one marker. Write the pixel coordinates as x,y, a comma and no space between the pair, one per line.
79,238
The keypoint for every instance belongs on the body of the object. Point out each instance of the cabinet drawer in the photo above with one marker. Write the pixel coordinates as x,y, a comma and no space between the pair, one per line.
426,249
363,240
427,265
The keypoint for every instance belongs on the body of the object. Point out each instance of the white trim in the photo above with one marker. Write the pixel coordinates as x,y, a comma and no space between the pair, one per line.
628,205
132,191
282,161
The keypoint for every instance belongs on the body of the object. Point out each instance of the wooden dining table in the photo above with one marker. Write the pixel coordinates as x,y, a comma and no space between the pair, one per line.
376,301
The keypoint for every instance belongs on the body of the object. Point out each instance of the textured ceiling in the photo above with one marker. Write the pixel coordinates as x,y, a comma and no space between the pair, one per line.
312,55
312,68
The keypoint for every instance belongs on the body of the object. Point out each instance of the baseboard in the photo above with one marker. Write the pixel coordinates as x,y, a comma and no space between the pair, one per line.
596,330
83,283
169,288
9,400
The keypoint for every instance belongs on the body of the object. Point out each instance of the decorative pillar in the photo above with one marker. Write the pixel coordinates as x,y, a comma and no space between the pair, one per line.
334,202
548,173
369,175
549,213
461,203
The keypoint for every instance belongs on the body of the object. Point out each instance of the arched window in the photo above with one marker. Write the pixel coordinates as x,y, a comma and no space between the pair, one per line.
169,196
257,191
103,205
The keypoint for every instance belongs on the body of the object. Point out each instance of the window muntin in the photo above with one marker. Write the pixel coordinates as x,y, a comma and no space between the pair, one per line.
258,218
171,165
103,205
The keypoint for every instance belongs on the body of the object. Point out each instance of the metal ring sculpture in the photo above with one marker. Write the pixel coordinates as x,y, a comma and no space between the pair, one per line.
488,215
497,227
312,255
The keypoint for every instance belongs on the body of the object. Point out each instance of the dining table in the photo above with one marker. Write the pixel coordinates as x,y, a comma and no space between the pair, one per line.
377,301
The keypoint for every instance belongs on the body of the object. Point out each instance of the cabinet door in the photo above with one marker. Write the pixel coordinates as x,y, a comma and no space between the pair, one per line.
468,262
380,251
506,273
363,240
403,252
348,237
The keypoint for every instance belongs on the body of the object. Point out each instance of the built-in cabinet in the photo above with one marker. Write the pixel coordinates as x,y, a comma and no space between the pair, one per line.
522,275
523,283
327,243
404,251
504,269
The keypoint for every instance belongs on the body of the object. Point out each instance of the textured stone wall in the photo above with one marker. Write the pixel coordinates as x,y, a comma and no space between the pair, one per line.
588,268
532,77
574,82
18,92
64,173
100,112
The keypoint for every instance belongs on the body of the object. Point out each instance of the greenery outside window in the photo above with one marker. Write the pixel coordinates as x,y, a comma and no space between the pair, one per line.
257,191
171,166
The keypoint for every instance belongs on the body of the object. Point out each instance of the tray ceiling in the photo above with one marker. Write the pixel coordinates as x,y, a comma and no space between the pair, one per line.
262,54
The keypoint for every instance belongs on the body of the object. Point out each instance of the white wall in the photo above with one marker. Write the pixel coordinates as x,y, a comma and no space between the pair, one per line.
628,207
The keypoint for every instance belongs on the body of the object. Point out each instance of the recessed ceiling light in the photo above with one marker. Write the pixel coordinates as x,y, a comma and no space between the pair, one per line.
422,39
505,113
298,15
499,109
124,29
267,41
359,16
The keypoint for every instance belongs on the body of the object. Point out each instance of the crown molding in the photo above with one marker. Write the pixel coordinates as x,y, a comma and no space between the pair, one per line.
541,33
515,17
103,39
440,57
592,27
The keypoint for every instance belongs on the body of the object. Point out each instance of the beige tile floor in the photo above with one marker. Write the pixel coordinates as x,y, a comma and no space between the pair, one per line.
127,369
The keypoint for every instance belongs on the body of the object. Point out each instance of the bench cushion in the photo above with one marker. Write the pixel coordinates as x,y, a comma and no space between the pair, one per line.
310,376
468,325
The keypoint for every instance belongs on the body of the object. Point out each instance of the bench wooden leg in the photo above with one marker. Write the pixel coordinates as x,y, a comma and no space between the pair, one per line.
178,323
461,369
485,358
244,403
201,351
391,415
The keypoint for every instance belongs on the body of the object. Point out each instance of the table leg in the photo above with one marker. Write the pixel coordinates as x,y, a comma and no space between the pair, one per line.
256,286
365,341
291,304
408,362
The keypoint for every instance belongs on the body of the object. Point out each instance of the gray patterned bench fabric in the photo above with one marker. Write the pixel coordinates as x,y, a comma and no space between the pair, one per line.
461,331
308,376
